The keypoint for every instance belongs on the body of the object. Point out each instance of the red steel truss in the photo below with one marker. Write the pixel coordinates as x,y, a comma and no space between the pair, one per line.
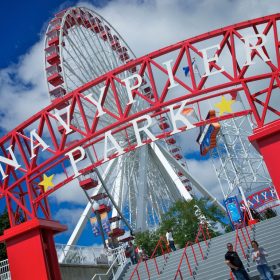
26,199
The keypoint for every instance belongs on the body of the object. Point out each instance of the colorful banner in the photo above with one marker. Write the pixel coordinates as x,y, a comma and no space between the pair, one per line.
233,211
105,222
95,226
263,199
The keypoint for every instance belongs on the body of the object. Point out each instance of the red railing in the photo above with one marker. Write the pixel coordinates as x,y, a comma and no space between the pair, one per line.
161,245
202,229
246,238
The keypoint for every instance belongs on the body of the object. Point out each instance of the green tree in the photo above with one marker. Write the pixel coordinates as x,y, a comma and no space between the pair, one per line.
4,224
182,220
147,240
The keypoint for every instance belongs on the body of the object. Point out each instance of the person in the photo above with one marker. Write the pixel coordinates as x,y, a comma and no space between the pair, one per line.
141,254
170,240
110,244
255,214
144,255
258,256
131,252
234,262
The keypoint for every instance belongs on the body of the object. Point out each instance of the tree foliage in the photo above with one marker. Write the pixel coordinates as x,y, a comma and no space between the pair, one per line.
4,224
147,240
182,220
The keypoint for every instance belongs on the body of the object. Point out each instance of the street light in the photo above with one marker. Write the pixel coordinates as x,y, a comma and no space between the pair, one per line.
95,208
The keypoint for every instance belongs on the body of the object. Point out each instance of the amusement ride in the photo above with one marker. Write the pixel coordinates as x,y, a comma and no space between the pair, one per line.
113,122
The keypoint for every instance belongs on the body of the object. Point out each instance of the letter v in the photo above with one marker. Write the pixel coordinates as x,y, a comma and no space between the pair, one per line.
66,125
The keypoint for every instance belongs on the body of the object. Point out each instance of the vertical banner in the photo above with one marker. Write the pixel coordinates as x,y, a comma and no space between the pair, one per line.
105,222
233,211
95,226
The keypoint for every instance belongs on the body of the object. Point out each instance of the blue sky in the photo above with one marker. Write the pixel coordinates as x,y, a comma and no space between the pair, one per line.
23,22
146,25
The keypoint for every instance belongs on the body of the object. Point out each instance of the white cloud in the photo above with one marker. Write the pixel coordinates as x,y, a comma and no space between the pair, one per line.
23,90
69,217
204,172
71,192
151,24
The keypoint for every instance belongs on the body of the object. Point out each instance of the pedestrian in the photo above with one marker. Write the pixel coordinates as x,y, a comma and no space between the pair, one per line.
170,240
258,256
233,261
131,252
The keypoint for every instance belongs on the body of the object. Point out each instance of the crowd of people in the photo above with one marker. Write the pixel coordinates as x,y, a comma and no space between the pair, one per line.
135,253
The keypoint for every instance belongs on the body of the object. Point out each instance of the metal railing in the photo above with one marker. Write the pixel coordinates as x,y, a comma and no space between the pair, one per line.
164,249
5,270
73,254
203,230
245,236
119,262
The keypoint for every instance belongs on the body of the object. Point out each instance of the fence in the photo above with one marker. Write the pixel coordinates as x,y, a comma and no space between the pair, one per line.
203,231
5,270
73,254
163,249
119,261
242,234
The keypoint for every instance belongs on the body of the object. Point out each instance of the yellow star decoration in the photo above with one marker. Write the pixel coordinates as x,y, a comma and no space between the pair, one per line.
224,106
47,182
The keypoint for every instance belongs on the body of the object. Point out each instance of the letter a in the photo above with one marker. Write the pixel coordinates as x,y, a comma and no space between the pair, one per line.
33,134
12,162
108,135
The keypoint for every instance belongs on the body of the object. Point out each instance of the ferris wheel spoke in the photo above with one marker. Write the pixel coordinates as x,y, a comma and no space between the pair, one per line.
72,70
99,45
77,59
99,62
88,57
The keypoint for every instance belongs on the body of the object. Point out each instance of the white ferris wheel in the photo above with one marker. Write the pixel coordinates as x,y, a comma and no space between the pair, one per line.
81,46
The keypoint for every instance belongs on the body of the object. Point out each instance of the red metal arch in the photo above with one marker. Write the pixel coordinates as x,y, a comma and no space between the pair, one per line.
20,187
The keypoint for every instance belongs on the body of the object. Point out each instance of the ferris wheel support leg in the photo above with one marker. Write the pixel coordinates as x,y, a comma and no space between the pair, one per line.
142,191
267,141
31,250
178,166
86,214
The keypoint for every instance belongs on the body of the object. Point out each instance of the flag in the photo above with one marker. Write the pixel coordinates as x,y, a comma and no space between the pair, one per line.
105,222
95,227
187,69
188,111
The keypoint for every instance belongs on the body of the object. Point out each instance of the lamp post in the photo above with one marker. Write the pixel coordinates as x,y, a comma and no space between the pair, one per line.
95,207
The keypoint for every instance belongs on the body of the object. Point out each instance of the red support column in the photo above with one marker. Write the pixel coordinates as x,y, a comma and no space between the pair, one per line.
267,141
31,250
